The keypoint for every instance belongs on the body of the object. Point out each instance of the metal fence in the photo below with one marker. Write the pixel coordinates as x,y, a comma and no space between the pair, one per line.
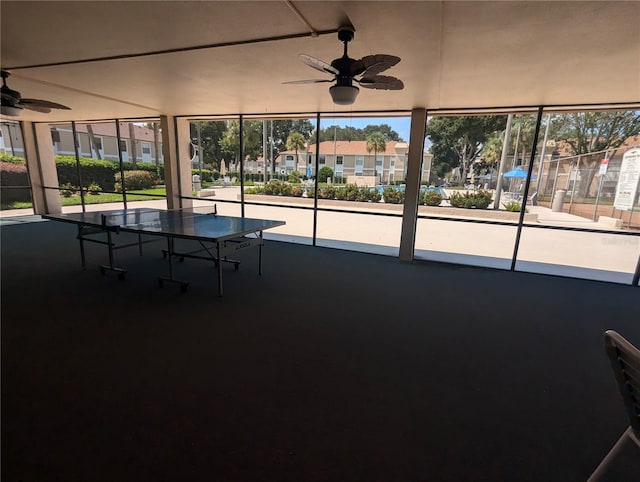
579,185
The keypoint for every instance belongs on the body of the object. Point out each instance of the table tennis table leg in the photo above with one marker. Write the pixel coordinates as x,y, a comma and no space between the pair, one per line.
121,272
219,269
170,255
260,253
83,259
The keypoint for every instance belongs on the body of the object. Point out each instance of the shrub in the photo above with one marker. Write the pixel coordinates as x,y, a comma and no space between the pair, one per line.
296,191
254,190
373,194
277,188
136,180
513,206
68,190
327,192
14,174
12,159
350,192
324,172
393,196
207,175
478,199
430,198
294,176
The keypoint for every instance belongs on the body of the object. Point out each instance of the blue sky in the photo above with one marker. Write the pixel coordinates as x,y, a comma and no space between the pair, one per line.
401,125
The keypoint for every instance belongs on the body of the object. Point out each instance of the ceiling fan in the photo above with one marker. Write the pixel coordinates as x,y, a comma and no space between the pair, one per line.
13,103
346,71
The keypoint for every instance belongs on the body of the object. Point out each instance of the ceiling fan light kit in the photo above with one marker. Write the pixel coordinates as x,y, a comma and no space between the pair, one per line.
344,94
346,71
10,111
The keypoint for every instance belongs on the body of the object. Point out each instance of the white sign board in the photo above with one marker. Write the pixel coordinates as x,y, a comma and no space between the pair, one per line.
604,163
628,181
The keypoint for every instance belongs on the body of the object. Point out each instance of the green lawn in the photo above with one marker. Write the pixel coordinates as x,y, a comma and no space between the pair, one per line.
147,195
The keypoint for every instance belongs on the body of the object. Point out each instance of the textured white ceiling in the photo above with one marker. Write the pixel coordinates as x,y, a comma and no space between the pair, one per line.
454,55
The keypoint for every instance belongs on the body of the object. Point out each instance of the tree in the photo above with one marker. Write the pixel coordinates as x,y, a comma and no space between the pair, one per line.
385,129
587,132
525,127
132,138
350,133
281,131
457,141
93,141
296,142
251,136
376,142
211,134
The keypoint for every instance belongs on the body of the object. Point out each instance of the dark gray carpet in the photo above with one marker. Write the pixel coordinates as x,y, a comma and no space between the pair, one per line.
332,366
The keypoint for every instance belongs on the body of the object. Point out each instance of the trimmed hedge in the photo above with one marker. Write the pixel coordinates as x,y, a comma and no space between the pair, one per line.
14,174
136,180
12,159
92,171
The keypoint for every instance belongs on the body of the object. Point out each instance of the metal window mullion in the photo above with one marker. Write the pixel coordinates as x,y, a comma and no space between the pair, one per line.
525,195
76,149
121,164
315,184
241,151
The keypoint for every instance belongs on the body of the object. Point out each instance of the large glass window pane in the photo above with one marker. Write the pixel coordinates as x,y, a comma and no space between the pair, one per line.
472,186
142,166
67,166
586,177
365,168
101,163
583,173
15,190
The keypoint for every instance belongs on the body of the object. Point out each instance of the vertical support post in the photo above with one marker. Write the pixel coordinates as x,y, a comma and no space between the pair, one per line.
41,166
176,140
412,190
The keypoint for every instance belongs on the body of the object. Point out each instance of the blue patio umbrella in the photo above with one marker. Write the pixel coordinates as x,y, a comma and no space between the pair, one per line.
309,171
518,172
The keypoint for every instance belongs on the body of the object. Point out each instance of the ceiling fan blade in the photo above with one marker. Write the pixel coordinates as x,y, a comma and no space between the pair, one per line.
318,64
373,64
36,108
8,99
381,82
310,81
38,104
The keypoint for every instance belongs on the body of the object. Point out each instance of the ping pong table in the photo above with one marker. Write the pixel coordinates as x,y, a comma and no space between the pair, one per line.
218,236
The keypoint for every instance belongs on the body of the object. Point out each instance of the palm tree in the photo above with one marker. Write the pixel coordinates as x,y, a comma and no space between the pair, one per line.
296,142
376,142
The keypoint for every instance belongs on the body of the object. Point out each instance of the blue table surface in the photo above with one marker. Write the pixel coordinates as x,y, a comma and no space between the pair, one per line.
178,223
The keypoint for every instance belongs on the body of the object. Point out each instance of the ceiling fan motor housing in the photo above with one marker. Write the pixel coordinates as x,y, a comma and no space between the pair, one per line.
346,33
